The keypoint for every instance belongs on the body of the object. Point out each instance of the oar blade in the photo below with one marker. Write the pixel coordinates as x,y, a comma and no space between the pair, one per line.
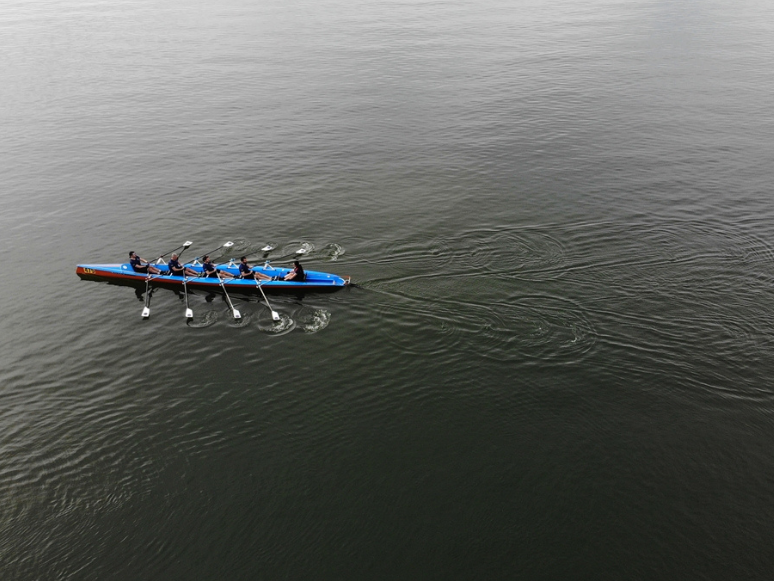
275,315
189,314
237,314
145,312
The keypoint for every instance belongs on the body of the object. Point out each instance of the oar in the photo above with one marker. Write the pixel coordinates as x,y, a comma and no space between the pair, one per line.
269,248
184,246
146,308
237,314
264,250
226,245
298,252
274,314
188,311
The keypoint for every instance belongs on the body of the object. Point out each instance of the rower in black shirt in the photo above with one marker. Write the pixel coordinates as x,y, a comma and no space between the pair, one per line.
246,271
297,274
138,266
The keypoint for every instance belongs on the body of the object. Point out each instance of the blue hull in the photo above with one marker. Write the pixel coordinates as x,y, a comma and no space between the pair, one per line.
124,275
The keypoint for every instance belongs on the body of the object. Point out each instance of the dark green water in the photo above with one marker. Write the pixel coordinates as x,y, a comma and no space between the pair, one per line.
556,364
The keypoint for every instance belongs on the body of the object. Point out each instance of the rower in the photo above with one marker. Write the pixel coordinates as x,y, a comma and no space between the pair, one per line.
297,274
208,268
246,271
177,269
138,266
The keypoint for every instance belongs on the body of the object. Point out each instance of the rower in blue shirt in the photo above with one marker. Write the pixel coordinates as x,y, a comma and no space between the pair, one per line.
208,268
177,269
138,266
247,272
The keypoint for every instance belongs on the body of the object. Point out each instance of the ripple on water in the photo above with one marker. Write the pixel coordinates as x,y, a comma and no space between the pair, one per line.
244,319
263,247
529,254
408,255
311,320
203,319
641,247
332,251
729,340
528,328
297,249
731,243
541,328
266,324
240,247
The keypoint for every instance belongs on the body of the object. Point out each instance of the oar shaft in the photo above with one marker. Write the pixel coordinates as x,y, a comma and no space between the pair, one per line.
188,311
226,245
228,298
274,315
146,307
170,252
264,295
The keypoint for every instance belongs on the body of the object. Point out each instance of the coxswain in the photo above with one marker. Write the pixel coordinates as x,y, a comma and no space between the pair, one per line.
138,266
297,274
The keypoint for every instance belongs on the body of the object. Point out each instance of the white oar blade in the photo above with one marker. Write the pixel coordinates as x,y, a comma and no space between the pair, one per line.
301,251
228,245
275,315
145,312
189,314
187,244
237,314
267,248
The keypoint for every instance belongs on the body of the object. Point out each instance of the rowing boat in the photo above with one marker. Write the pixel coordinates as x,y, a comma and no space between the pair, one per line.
124,275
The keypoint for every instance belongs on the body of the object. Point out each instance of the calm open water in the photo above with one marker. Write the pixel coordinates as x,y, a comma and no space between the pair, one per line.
558,361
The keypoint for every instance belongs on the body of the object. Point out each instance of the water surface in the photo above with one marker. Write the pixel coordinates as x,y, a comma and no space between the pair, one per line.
557,360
